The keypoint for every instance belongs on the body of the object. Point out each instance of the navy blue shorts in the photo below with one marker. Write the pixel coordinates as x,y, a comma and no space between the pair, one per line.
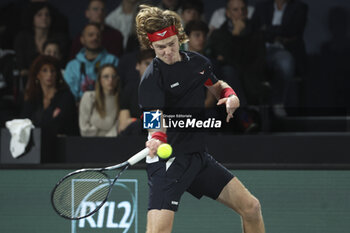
199,174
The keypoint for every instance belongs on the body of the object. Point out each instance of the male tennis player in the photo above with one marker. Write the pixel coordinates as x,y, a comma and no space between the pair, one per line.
174,80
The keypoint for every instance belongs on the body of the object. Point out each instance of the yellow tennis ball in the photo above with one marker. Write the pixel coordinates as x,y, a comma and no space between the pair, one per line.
164,151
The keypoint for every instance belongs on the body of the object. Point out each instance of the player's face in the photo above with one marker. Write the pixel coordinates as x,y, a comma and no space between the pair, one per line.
236,10
96,12
109,79
168,49
197,41
47,76
91,38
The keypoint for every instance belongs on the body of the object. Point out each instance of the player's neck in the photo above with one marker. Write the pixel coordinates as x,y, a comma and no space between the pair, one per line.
175,59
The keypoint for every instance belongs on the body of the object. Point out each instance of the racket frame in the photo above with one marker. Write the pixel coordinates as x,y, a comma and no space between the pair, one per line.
125,165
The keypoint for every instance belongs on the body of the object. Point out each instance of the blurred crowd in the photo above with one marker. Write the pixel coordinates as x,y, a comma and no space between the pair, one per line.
87,85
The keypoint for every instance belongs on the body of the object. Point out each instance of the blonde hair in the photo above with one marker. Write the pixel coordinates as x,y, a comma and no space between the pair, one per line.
100,97
152,19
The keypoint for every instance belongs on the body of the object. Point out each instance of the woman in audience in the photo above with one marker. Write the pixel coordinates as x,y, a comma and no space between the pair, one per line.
99,109
47,99
50,105
29,42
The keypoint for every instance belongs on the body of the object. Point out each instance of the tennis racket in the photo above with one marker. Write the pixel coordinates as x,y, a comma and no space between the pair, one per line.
82,193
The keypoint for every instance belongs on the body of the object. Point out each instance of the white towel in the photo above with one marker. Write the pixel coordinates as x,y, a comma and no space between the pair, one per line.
20,134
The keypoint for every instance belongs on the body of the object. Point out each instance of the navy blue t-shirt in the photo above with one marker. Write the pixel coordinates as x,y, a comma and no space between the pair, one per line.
178,89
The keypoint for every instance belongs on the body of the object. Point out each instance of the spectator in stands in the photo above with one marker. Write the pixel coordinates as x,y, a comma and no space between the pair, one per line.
59,22
240,53
197,32
132,44
14,18
174,5
29,42
47,99
283,23
53,48
111,39
98,110
219,17
129,109
81,72
191,10
122,18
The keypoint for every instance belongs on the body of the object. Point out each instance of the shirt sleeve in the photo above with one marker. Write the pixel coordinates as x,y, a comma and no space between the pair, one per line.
151,93
211,78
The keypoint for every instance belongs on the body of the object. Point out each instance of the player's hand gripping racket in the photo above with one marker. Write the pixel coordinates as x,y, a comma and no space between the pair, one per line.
70,195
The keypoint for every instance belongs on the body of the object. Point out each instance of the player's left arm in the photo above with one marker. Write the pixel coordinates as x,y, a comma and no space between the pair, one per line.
225,95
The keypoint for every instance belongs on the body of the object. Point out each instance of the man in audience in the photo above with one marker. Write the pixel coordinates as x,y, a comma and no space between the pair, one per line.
81,72
240,52
112,39
122,18
283,23
219,17
191,10
197,32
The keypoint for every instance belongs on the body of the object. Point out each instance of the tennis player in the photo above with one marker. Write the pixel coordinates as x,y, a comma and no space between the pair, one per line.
175,80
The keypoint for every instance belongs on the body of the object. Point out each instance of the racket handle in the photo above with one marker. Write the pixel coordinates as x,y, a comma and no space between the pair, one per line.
139,156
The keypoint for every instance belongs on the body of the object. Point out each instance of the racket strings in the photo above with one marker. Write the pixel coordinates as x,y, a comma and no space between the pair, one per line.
81,194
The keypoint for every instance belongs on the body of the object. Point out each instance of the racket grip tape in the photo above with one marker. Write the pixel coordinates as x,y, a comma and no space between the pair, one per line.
139,156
